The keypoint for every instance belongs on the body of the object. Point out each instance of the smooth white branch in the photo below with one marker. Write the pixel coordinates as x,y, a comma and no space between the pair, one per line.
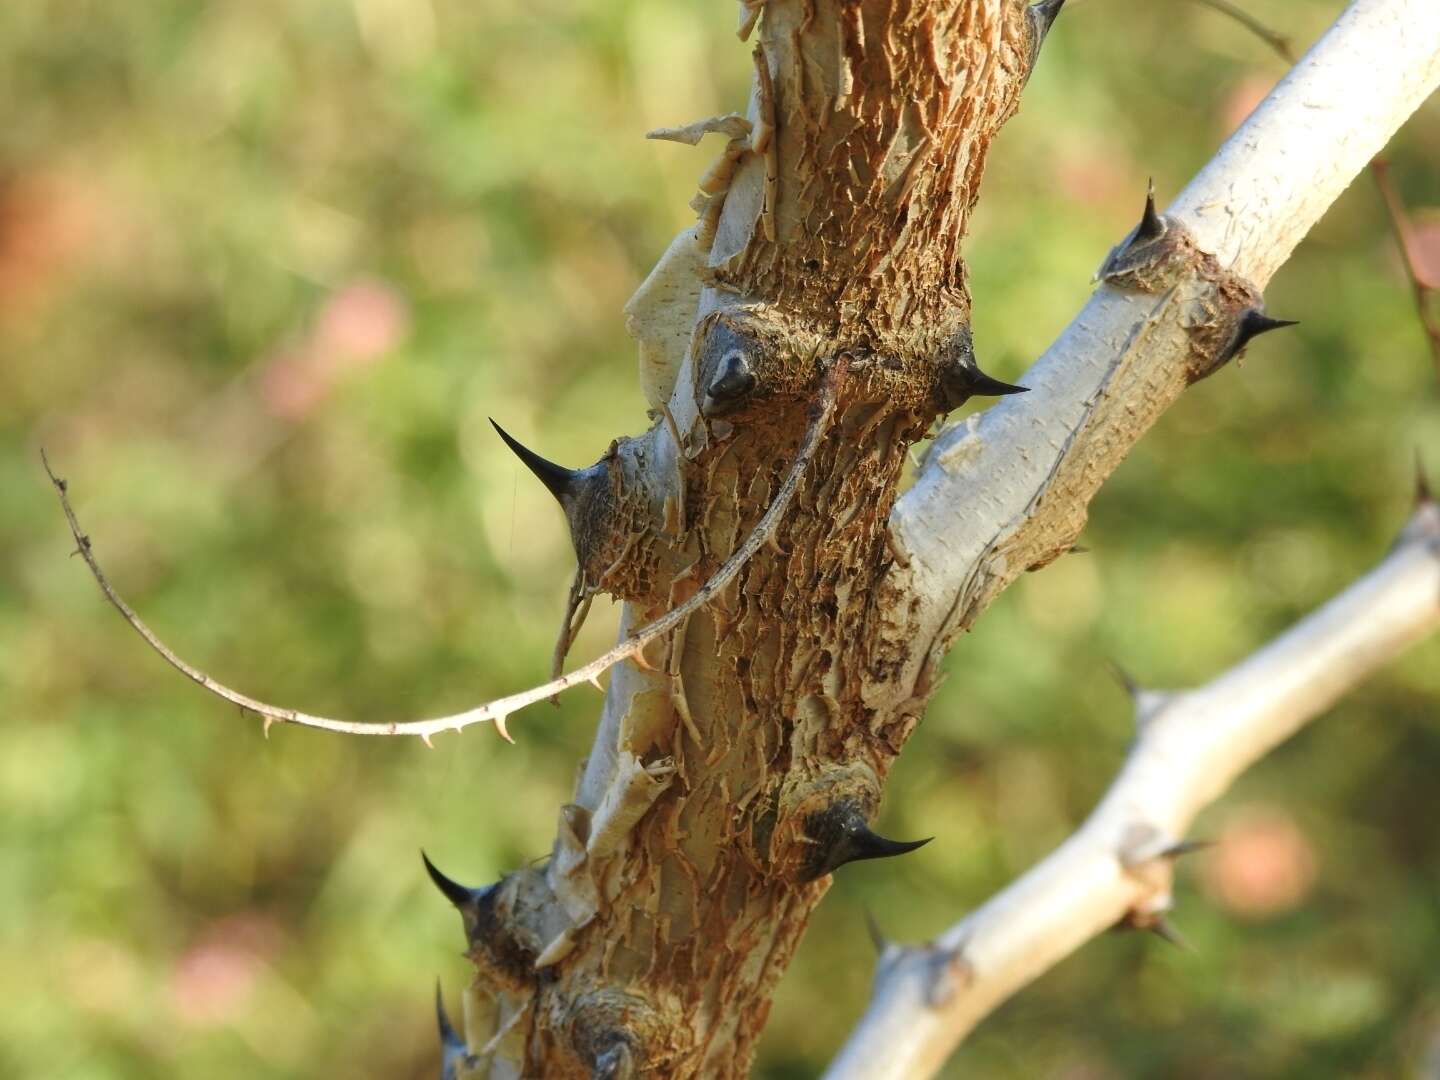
1191,746
1250,206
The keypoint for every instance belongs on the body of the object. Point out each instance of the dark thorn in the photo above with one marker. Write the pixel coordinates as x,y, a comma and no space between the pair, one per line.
454,1053
1185,847
877,936
868,844
842,836
1078,549
733,377
1123,678
982,385
960,377
62,485
449,1037
1151,226
1042,16
1164,929
456,893
1156,923
1423,493
1252,324
558,480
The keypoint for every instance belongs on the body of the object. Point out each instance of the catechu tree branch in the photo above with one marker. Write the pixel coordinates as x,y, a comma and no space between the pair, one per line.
1008,490
1190,747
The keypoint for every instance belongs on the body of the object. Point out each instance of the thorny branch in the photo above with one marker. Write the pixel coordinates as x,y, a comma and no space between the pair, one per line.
1395,211
1118,867
497,711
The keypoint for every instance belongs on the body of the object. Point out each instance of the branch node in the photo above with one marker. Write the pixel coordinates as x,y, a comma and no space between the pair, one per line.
949,973
1147,703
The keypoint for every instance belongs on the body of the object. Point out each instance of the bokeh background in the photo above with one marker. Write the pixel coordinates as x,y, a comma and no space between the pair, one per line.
265,269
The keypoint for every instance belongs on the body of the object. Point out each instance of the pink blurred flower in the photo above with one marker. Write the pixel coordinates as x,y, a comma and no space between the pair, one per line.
360,323
357,325
291,385
1262,864
46,223
213,980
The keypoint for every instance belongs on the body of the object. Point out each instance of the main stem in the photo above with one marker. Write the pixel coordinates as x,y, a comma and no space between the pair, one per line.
733,771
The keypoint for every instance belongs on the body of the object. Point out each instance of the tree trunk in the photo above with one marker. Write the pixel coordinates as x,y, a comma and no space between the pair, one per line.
736,766
800,338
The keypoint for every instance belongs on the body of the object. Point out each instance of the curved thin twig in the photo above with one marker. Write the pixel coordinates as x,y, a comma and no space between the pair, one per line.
1276,40
499,710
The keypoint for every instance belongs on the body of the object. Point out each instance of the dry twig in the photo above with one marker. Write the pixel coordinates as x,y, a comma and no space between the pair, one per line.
499,710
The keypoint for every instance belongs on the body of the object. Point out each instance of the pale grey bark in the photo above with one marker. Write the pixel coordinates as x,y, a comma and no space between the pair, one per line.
1190,747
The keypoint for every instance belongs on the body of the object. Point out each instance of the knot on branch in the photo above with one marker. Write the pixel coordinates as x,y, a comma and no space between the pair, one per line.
503,933
611,1034
1148,856
613,508
749,360
821,824
1219,311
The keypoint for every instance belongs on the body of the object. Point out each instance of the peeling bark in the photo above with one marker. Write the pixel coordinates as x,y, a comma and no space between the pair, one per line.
734,772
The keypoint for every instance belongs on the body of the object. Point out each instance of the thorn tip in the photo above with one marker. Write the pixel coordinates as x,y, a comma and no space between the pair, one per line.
1253,323
1151,226
558,480
1186,847
841,836
453,891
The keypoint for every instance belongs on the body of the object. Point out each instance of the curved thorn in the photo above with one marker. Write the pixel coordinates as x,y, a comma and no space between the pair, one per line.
841,835
868,844
453,891
454,1052
857,842
449,1037
1252,324
982,385
558,480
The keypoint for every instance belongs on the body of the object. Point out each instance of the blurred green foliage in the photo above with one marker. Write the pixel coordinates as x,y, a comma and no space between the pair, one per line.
265,269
